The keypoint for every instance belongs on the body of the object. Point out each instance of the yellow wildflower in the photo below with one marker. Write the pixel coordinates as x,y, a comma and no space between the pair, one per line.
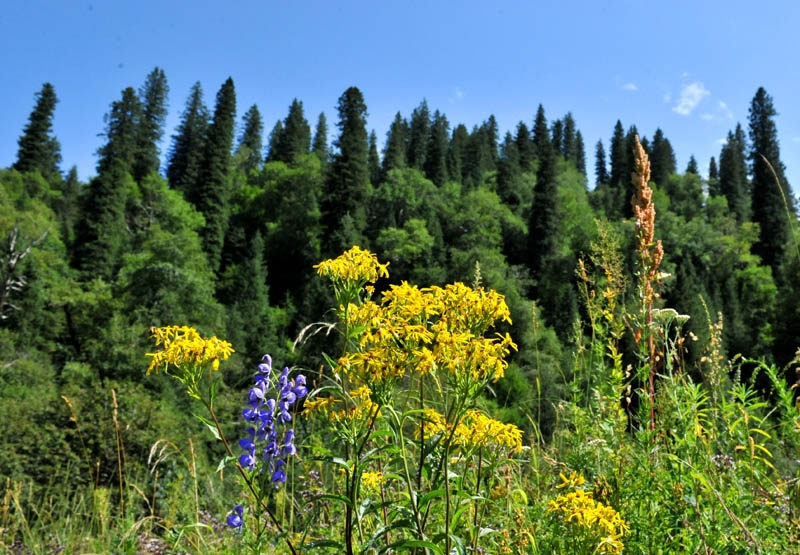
183,345
354,265
478,430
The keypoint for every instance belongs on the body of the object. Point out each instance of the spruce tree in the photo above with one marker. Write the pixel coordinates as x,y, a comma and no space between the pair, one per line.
418,136
274,142
68,204
395,149
691,167
569,147
153,97
295,137
188,144
619,176
541,135
436,156
509,174
662,159
580,153
713,178
544,220
733,175
213,192
524,147
374,159
772,198
557,137
492,137
478,158
250,142
600,168
38,149
320,144
457,153
122,134
348,180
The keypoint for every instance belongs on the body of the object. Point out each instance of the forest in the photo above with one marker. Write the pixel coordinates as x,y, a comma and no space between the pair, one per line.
641,322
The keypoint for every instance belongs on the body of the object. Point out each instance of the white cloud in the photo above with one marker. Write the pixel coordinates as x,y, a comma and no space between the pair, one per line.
722,141
630,87
691,95
707,117
725,110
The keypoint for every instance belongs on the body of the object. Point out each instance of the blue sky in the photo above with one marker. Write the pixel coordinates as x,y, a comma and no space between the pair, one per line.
689,67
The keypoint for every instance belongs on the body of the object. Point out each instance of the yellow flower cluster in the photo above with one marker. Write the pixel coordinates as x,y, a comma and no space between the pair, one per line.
432,423
600,523
356,265
359,406
183,345
423,330
372,481
478,430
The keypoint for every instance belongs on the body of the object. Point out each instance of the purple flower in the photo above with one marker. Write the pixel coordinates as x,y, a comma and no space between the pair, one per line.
300,389
235,518
288,444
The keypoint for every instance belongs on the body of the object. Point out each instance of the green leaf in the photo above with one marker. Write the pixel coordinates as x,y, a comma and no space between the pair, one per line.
210,426
223,463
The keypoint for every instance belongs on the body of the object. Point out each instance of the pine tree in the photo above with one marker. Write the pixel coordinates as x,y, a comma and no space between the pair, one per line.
274,142
771,192
713,178
544,219
733,175
524,147
457,153
122,134
188,144
214,189
691,167
478,158
436,156
541,135
418,136
153,97
600,168
250,142
619,176
296,136
67,206
569,147
492,137
557,132
662,160
509,174
374,159
348,180
580,153
320,144
395,149
38,149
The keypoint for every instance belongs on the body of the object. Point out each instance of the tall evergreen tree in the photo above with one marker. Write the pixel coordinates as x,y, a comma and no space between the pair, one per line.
295,136
250,142
478,158
38,149
320,143
600,168
691,167
274,142
524,147
418,135
713,178
153,96
733,175
509,174
580,153
569,148
492,132
122,134
544,221
771,193
213,192
188,144
348,180
436,156
395,149
67,206
374,159
557,139
541,135
619,176
457,152
662,159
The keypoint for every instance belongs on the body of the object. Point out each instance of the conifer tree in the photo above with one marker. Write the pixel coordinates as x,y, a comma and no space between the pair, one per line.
733,175
122,134
662,159
492,137
295,136
557,138
524,147
713,178
188,144
274,142
478,159
374,159
153,97
394,151
38,149
772,198
213,192
436,156
509,174
457,152
541,135
348,180
418,136
569,148
544,221
67,206
320,143
600,168
619,176
691,167
250,142
580,153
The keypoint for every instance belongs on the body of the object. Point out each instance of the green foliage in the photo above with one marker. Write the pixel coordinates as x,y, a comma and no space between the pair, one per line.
188,144
38,149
